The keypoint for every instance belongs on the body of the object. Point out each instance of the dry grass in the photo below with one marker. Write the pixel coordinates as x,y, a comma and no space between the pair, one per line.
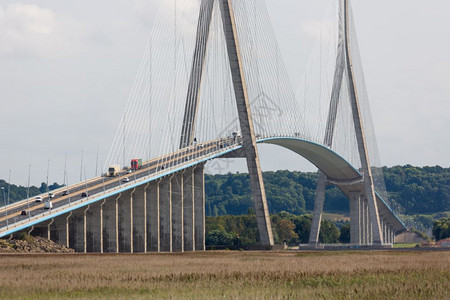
254,275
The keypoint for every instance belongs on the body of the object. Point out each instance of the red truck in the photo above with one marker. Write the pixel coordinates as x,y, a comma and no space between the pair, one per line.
136,164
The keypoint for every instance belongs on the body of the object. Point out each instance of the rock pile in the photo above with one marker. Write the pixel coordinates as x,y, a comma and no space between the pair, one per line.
30,244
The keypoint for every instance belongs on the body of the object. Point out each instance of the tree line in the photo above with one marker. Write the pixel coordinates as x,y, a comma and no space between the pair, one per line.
18,192
441,229
414,190
241,231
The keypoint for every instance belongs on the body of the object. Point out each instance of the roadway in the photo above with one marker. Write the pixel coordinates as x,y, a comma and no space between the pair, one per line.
14,212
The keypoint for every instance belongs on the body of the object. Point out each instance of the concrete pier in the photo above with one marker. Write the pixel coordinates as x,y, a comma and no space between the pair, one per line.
94,228
139,217
110,225
177,213
199,207
355,218
153,219
165,214
318,210
188,210
77,228
59,230
125,220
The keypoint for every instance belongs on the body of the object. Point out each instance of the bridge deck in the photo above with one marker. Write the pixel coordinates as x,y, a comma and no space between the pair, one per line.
99,188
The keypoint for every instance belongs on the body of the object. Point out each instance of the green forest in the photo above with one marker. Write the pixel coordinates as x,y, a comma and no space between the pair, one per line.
241,231
415,190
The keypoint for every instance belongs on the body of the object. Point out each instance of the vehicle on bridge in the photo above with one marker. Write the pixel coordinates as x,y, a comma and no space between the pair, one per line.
48,204
38,198
113,171
136,164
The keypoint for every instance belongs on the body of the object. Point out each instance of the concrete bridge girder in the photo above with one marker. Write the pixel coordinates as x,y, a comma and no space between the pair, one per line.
341,174
167,215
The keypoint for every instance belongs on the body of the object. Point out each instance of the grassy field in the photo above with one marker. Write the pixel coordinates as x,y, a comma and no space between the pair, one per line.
236,275
406,245
335,217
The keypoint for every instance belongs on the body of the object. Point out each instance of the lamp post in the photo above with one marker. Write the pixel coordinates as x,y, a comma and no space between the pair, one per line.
28,191
7,199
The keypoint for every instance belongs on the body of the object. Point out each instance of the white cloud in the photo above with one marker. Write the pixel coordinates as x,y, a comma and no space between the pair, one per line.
30,30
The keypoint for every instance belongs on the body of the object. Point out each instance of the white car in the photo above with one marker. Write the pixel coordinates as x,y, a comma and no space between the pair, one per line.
48,204
38,198
126,179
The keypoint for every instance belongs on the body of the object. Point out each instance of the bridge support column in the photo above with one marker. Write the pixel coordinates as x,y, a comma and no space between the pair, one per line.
59,230
385,231
94,228
363,220
110,226
77,227
367,219
125,222
391,235
165,214
153,220
318,210
388,235
177,213
139,217
246,123
360,134
188,210
42,229
355,218
199,207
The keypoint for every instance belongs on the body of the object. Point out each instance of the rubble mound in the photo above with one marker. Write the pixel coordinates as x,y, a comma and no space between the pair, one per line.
28,244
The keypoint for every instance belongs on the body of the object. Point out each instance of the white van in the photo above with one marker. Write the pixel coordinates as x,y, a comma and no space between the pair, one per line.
48,204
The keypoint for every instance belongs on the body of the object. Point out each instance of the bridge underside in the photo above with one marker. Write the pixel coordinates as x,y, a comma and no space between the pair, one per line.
341,174
165,215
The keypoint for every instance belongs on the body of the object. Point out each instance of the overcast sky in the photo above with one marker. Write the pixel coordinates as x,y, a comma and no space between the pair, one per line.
67,67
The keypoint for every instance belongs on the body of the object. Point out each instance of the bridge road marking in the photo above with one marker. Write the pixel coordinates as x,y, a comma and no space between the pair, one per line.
185,153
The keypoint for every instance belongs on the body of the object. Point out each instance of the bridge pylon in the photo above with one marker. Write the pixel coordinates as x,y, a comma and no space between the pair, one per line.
363,207
250,151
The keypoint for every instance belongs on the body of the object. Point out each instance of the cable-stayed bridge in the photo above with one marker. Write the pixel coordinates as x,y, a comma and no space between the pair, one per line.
212,84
